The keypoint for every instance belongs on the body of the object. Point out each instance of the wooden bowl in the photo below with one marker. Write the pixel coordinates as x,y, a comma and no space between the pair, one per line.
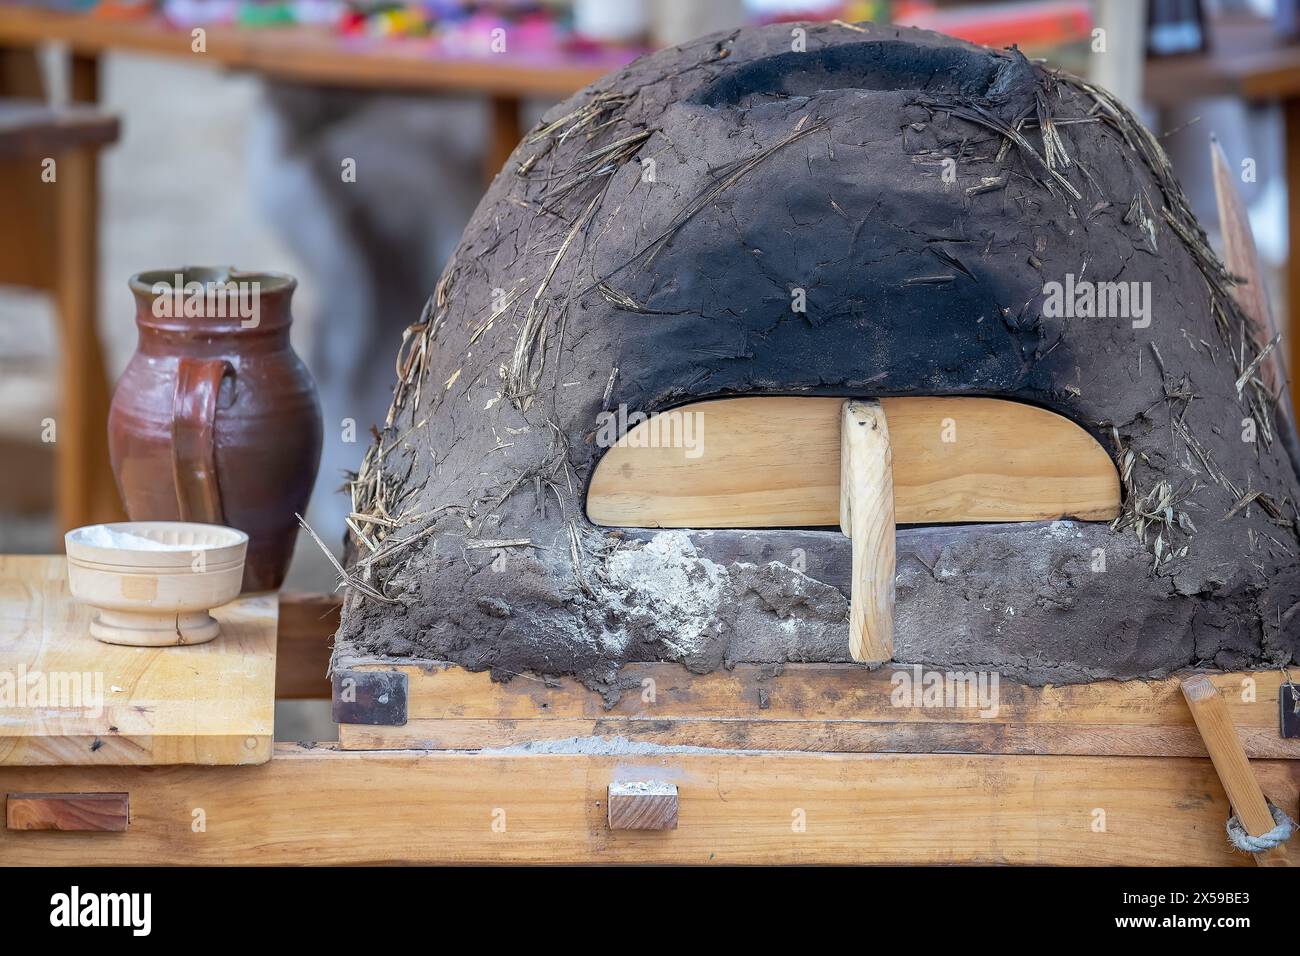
152,583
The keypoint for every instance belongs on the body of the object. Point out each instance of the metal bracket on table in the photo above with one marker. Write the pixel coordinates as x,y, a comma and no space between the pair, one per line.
1288,705
370,697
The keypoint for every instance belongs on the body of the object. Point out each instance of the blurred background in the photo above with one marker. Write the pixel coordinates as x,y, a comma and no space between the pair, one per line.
231,145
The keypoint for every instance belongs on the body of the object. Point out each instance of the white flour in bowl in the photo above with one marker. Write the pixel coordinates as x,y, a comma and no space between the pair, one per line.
101,536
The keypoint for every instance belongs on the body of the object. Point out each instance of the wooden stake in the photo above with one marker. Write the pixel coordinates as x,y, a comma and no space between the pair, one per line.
1230,763
867,517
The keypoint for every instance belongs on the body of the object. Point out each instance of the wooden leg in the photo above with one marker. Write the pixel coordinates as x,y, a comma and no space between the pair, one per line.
20,74
86,492
84,80
503,134
867,516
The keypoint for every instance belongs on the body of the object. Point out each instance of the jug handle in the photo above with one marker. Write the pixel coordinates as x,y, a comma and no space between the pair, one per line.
194,412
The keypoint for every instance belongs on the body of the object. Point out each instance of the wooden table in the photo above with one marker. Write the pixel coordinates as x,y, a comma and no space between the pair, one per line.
1247,60
320,57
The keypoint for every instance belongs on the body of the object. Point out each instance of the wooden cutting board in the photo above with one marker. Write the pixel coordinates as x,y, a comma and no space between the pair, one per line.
89,703
775,462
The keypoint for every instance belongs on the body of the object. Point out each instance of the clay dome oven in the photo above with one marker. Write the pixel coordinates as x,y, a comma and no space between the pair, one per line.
889,218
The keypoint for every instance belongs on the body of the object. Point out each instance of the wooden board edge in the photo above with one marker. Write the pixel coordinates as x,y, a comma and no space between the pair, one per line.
801,736
135,750
325,807
1115,717
427,681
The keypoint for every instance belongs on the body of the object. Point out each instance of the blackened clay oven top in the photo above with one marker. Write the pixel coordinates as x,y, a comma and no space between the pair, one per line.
929,201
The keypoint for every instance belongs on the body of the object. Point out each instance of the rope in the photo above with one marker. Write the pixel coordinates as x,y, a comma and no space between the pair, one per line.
1266,841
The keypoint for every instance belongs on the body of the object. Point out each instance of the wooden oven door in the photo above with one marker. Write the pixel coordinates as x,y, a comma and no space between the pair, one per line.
863,465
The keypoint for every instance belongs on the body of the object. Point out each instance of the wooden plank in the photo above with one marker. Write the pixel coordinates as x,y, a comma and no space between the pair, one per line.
28,26
773,461
817,707
73,812
33,130
804,736
642,805
303,641
1230,763
73,700
318,56
867,517
314,806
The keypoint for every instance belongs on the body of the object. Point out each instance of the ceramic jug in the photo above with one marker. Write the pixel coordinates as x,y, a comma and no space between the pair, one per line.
216,418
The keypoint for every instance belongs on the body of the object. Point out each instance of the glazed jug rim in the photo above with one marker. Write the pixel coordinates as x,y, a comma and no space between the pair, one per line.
144,283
